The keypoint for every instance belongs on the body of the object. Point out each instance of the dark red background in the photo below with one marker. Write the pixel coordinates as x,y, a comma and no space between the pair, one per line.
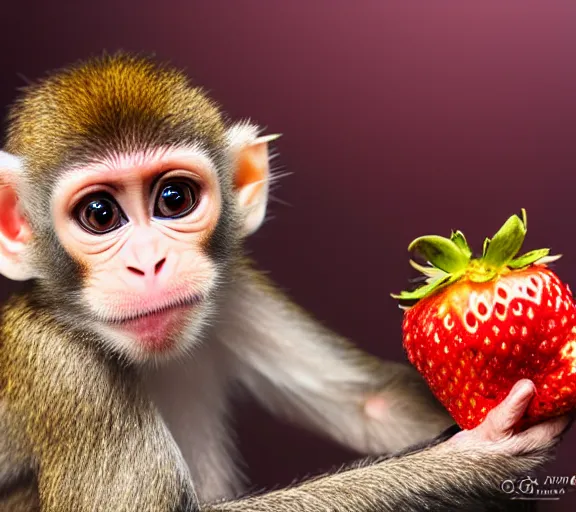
399,118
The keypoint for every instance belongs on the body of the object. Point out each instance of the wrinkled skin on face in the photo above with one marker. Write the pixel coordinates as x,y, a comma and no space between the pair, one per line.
139,229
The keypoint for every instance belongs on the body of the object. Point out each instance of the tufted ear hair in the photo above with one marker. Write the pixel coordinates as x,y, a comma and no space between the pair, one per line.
251,173
15,232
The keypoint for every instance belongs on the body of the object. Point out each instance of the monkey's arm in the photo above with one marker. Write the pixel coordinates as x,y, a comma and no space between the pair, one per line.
305,372
454,472
423,481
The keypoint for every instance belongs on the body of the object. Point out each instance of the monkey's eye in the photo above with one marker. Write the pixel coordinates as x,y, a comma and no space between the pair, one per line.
99,214
176,199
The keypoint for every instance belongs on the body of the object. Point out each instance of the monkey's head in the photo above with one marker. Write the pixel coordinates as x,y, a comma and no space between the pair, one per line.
125,195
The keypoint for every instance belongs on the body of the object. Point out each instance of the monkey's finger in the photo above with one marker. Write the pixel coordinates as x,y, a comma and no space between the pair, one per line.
501,420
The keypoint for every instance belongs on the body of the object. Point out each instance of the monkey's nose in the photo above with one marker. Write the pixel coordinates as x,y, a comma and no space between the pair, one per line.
148,270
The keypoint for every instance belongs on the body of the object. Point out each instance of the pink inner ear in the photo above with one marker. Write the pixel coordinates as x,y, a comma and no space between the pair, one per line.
251,172
13,225
249,169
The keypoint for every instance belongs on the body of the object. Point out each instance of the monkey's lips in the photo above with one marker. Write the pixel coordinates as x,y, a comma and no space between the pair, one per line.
156,330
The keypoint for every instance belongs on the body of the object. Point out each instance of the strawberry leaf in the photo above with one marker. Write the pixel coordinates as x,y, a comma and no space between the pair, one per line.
427,271
506,243
421,292
524,218
528,258
485,246
548,259
440,252
460,240
428,289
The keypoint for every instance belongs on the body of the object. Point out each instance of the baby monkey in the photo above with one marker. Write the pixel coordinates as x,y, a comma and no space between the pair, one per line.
125,197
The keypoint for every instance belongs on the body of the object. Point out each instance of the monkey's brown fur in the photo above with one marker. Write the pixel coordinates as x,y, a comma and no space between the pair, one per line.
23,499
102,106
63,417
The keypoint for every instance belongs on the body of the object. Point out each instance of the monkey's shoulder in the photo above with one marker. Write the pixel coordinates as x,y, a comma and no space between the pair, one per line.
25,326
40,352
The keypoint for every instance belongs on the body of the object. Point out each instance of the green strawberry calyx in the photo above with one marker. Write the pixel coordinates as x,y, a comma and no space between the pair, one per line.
451,259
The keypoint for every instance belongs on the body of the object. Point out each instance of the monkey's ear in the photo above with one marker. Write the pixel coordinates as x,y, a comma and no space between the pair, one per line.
15,232
251,174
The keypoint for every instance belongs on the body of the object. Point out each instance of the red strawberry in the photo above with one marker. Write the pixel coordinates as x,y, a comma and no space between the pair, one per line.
481,324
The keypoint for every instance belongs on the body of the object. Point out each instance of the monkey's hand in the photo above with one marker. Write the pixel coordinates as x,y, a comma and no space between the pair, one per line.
497,434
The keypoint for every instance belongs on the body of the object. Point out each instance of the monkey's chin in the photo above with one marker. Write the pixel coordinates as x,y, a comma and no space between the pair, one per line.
156,332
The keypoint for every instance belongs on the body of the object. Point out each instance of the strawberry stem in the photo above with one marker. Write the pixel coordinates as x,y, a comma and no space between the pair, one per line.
450,260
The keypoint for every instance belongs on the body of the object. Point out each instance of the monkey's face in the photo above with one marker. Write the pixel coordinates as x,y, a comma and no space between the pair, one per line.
143,240
126,196
139,229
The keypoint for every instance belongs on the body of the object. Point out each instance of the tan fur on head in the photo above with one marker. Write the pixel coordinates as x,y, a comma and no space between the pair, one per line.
92,103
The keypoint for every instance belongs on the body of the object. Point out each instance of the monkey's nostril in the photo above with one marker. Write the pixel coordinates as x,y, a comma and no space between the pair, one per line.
159,265
157,268
136,271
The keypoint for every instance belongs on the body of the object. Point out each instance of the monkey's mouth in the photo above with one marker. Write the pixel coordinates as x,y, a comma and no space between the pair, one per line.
154,328
179,305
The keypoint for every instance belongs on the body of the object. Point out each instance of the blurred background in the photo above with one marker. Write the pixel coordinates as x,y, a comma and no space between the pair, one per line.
399,119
